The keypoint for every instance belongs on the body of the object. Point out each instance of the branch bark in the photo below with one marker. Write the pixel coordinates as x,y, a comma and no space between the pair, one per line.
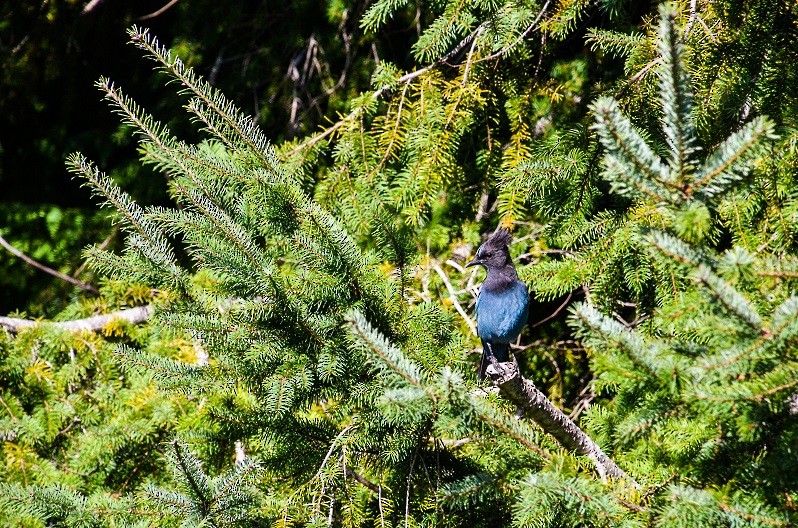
136,315
91,5
523,393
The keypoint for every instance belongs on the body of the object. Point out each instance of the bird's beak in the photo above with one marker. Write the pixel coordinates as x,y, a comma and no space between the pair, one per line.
474,262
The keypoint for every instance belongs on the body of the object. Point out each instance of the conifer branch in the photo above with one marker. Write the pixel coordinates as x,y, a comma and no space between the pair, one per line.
729,297
386,88
523,393
132,213
161,137
243,126
194,478
600,326
136,315
392,357
631,164
732,160
676,96
521,37
513,428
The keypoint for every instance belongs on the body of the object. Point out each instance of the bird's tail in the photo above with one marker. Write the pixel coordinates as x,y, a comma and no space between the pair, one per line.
501,351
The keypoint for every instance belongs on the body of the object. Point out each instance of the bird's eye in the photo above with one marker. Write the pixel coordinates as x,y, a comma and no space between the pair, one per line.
489,254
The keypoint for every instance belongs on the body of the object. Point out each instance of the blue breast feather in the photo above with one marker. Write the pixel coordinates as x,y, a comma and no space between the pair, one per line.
501,316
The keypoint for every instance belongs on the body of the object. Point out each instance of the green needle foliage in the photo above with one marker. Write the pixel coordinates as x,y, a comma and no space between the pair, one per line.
334,385
80,428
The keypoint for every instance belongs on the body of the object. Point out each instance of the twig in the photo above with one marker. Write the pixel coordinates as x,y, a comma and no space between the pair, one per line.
38,265
379,503
332,508
470,55
136,315
160,11
348,58
556,312
407,493
637,76
363,480
690,22
523,393
708,31
453,298
332,447
586,396
91,5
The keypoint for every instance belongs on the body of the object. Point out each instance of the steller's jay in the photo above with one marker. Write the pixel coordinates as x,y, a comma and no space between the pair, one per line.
503,302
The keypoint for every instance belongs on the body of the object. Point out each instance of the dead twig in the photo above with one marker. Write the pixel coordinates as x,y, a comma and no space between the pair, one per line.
160,11
91,5
38,265
453,298
136,315
556,312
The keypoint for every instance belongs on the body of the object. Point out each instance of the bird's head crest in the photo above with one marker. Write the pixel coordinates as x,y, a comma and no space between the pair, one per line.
494,252
501,237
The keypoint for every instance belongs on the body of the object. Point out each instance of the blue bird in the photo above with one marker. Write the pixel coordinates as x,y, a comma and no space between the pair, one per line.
503,302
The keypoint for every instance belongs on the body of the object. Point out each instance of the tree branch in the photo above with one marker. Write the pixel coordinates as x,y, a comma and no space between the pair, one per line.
91,5
471,37
136,315
160,11
38,265
535,404
521,37
363,480
453,298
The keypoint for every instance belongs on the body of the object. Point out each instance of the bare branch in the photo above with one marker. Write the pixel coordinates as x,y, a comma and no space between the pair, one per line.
637,76
523,393
91,5
136,315
690,22
470,55
360,478
159,11
453,298
38,265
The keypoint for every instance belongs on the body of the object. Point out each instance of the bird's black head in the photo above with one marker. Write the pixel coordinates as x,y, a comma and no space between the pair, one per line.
494,254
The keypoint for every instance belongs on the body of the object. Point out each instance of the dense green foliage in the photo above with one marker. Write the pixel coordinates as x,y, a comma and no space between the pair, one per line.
308,361
75,419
